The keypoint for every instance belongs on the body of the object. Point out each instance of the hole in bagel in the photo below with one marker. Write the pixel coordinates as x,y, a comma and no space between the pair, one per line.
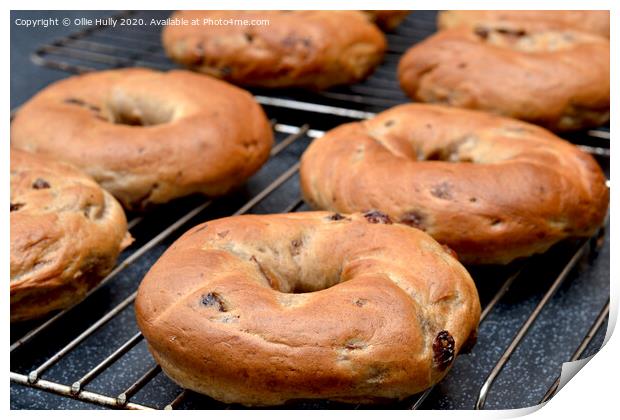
459,150
450,154
286,283
136,110
136,118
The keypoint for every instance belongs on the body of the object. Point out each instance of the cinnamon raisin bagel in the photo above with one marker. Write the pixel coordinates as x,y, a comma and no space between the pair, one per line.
387,19
260,310
491,188
557,79
148,136
593,21
66,233
299,48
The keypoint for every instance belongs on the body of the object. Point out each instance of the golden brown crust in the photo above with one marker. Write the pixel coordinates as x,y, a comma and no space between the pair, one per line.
195,135
387,19
66,233
559,80
592,21
302,48
224,313
491,188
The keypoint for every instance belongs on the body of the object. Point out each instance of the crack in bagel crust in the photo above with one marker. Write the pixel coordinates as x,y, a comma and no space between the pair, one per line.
354,315
66,233
144,144
491,188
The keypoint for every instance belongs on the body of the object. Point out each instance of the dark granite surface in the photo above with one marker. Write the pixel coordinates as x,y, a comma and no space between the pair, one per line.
526,377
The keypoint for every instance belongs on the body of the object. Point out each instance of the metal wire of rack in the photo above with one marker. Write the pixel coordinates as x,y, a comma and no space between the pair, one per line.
99,48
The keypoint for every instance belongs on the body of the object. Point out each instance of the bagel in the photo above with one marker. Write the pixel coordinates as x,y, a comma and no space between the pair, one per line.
147,136
261,310
387,19
557,79
299,48
66,233
491,188
592,21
